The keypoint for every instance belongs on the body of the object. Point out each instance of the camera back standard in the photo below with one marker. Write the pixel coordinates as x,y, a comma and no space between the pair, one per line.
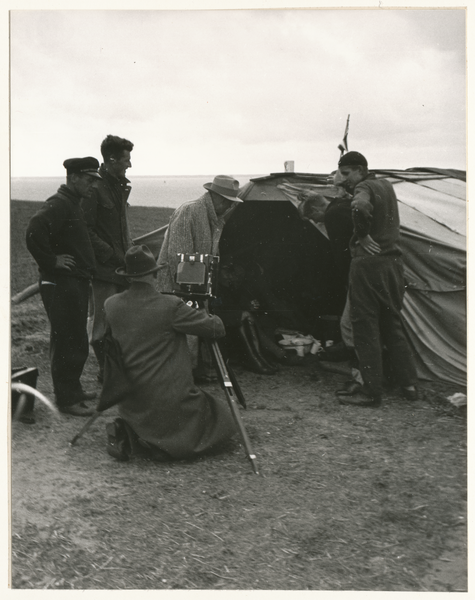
196,275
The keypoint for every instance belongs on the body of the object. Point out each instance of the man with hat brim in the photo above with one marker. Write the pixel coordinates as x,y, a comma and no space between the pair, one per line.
196,226
376,283
105,210
58,239
162,406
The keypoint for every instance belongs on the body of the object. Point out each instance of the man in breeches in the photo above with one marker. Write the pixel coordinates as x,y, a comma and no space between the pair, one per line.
376,283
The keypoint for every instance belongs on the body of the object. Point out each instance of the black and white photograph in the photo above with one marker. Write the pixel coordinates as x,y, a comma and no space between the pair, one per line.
238,298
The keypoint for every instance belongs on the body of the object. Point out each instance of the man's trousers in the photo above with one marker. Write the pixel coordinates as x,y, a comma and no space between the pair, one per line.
346,328
376,287
66,302
101,290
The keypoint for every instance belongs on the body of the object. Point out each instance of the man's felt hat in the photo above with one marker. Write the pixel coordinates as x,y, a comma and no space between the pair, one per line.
86,166
139,261
225,186
353,159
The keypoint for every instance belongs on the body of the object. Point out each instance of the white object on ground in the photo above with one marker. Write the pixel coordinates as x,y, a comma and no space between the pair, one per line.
302,344
27,389
458,399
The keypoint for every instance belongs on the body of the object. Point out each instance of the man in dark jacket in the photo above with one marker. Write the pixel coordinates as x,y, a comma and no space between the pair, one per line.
105,210
337,218
376,282
58,240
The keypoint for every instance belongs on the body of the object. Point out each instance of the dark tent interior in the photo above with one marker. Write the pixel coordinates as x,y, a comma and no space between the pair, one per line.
295,256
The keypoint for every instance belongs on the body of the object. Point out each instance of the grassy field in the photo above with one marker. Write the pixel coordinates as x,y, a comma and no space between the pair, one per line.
24,270
349,499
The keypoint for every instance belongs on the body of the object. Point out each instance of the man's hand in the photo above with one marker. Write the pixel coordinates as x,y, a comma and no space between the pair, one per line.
65,262
246,316
255,304
316,215
368,244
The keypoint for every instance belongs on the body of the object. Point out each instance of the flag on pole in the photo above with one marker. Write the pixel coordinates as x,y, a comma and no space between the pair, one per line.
343,146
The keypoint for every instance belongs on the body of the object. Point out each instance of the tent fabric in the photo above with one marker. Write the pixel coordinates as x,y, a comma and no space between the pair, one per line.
432,204
454,173
438,346
444,207
434,258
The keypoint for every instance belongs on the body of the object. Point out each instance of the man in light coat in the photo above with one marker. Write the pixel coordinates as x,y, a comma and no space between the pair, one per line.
196,227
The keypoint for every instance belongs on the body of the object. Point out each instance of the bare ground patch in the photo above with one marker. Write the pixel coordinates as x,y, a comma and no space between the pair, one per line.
350,499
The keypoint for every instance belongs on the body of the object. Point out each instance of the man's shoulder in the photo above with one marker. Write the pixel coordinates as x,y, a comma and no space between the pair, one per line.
190,207
58,202
101,188
375,185
115,300
373,181
62,194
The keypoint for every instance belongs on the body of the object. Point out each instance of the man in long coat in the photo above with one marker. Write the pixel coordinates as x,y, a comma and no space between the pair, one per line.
164,407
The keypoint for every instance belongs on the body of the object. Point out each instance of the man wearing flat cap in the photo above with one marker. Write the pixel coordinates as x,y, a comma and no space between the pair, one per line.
376,283
167,413
58,239
196,227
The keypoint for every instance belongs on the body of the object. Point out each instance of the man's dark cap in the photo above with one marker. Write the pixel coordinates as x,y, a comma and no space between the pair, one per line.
87,166
353,159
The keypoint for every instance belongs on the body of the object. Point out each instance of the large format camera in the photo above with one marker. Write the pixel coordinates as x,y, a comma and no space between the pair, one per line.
196,275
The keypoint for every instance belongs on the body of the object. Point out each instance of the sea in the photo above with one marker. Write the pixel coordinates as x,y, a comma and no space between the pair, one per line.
164,191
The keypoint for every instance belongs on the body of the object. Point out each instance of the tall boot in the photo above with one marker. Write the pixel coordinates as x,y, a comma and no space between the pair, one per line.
253,336
253,358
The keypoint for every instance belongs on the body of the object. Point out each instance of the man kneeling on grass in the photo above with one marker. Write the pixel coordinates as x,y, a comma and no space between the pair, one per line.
162,413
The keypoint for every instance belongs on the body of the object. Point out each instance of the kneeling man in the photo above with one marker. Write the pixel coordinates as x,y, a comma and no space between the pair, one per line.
164,408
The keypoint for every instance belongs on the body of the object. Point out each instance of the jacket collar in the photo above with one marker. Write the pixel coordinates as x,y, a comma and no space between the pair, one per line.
111,180
68,193
213,217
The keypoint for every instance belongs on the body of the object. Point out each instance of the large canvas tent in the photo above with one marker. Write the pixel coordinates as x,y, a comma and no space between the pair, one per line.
296,256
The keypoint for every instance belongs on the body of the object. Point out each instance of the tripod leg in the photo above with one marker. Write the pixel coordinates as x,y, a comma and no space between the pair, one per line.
229,392
86,426
232,376
236,386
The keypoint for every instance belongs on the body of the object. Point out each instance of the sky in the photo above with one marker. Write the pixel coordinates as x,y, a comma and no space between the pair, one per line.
237,91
